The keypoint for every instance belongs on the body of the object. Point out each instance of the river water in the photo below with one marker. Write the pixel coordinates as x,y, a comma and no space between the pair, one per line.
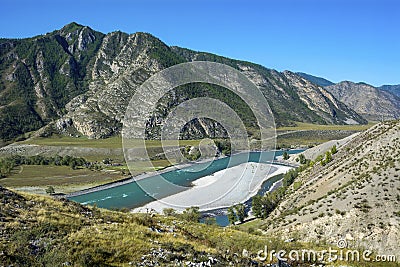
131,195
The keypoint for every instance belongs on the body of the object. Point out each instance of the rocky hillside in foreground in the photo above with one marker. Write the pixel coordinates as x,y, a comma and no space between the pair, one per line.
354,197
78,81
41,231
368,101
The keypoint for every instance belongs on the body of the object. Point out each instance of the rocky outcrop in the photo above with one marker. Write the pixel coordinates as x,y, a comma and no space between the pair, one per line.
86,78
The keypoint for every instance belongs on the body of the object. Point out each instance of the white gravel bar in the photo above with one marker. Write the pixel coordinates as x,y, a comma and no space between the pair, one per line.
219,190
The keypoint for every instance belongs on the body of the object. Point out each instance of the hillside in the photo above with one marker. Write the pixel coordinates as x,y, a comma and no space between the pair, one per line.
394,89
366,100
307,101
40,75
355,197
77,81
41,231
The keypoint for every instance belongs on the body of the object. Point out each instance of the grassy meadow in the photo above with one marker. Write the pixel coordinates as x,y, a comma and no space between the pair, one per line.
65,179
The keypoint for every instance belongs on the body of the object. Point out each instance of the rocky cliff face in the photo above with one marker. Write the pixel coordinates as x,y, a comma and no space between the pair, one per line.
115,75
78,81
367,100
40,75
291,97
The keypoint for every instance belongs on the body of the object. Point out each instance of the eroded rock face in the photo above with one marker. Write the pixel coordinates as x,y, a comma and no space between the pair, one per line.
87,78
320,100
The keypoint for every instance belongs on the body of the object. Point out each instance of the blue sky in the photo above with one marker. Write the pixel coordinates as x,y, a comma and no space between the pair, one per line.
357,40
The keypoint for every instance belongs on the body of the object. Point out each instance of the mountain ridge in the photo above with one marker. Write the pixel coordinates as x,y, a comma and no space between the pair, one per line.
77,81
368,101
373,103
315,79
394,89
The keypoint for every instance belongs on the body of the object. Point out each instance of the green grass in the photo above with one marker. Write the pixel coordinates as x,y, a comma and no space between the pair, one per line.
309,126
64,231
255,224
111,142
64,179
67,180
304,142
116,141
296,185
41,176
308,135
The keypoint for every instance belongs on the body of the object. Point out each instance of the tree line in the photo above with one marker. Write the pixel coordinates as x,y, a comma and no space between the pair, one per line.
9,163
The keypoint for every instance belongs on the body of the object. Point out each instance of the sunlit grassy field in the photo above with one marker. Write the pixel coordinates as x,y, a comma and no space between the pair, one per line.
111,142
64,179
309,126
308,135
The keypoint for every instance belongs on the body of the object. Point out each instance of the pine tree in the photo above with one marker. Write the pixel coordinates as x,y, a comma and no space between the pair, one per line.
257,206
285,155
231,215
241,212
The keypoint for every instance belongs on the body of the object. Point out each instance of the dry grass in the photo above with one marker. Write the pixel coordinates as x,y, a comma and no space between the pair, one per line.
40,231
301,126
111,142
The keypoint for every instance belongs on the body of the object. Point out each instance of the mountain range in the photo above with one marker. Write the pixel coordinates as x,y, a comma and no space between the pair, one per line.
78,81
394,89
373,103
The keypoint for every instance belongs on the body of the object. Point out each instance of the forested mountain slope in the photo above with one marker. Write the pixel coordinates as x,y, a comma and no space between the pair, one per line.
78,81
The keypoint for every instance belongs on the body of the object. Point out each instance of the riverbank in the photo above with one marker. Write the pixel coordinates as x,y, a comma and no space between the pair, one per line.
221,189
138,177
149,174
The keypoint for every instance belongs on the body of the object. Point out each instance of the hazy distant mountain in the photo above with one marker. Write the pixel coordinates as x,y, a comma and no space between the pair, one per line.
314,79
394,89
367,100
79,81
